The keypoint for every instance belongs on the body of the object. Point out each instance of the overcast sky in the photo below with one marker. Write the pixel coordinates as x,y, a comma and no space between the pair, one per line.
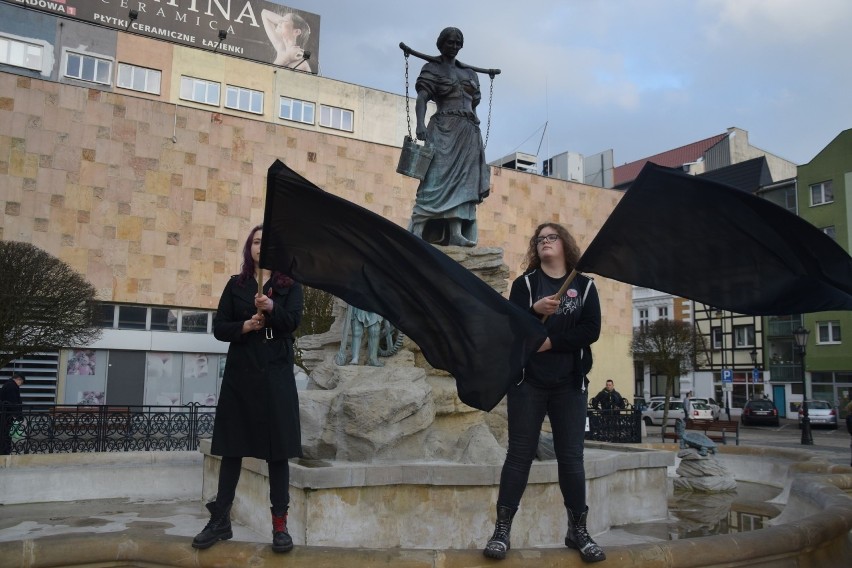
638,76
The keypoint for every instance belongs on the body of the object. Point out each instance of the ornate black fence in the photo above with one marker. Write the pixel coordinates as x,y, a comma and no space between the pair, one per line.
62,429
617,425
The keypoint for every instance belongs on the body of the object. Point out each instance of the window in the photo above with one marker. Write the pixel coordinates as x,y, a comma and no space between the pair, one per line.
822,193
244,99
154,318
830,232
163,319
132,317
139,78
663,312
107,318
88,68
744,335
195,322
828,332
337,118
716,337
294,109
790,200
643,318
199,90
21,54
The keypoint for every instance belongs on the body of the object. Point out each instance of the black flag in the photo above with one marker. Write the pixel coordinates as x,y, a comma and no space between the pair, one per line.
459,322
720,246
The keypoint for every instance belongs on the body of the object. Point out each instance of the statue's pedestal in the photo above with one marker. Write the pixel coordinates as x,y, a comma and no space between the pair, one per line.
702,474
440,504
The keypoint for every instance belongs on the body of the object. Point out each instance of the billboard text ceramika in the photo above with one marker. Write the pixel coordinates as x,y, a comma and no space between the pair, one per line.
262,31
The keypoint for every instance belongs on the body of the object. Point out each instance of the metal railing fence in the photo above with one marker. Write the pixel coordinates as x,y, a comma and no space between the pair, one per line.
48,429
622,425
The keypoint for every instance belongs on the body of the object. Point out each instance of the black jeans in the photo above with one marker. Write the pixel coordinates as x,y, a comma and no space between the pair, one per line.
527,407
279,483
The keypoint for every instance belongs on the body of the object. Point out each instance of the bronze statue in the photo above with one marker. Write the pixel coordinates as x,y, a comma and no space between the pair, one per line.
378,329
458,178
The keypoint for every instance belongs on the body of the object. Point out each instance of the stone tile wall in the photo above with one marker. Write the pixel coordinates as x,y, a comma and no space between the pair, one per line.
96,179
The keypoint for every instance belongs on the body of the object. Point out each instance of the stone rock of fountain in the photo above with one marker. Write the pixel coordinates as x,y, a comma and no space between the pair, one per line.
702,474
403,411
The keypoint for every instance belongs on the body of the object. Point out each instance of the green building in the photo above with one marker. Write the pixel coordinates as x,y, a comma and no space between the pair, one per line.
825,200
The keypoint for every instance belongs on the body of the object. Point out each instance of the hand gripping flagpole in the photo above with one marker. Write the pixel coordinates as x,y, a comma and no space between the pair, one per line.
259,276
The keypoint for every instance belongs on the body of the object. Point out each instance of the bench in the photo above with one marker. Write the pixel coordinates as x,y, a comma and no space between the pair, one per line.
717,430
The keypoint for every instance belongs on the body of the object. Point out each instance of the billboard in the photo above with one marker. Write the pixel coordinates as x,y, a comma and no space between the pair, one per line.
253,29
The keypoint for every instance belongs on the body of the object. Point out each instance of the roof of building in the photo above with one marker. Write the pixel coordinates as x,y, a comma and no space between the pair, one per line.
672,159
748,176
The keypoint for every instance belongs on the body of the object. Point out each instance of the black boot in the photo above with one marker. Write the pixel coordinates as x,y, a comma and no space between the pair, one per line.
579,539
281,541
498,544
218,528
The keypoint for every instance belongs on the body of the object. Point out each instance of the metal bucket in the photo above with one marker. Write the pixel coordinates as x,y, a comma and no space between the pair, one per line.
414,159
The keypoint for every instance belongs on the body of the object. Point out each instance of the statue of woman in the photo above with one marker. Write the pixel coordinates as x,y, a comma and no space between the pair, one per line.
458,177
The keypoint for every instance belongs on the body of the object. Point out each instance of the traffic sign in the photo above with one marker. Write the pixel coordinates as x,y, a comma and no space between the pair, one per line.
727,376
755,375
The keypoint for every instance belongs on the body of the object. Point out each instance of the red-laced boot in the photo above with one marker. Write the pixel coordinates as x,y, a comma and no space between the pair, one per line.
281,541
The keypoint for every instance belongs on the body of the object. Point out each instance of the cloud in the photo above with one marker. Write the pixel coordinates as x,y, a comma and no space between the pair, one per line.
637,76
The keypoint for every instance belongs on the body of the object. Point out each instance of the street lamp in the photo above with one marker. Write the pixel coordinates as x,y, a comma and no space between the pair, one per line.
801,337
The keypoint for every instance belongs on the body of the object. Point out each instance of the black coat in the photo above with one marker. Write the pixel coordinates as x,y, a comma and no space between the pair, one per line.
258,411
10,398
608,400
10,401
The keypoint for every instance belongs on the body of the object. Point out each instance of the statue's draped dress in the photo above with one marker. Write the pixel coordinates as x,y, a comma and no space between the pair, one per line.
458,177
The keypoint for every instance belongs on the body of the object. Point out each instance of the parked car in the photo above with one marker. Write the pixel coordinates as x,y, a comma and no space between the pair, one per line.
714,406
654,414
761,411
820,413
699,410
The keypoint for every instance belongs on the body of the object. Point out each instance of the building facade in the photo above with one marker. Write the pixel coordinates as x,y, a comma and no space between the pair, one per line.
825,200
733,369
118,157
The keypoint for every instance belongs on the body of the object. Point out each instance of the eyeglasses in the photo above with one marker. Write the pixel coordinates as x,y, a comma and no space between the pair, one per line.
551,238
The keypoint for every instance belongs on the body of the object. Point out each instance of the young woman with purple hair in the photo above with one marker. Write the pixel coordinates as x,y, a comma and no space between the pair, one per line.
258,411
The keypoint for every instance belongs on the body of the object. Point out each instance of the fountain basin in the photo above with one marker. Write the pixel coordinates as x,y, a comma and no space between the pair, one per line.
813,530
430,505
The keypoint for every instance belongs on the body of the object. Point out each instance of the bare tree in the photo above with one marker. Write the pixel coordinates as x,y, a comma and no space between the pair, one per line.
317,317
44,303
671,347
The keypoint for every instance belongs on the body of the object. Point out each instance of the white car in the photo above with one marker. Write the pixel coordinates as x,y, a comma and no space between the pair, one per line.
700,410
715,409
654,414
